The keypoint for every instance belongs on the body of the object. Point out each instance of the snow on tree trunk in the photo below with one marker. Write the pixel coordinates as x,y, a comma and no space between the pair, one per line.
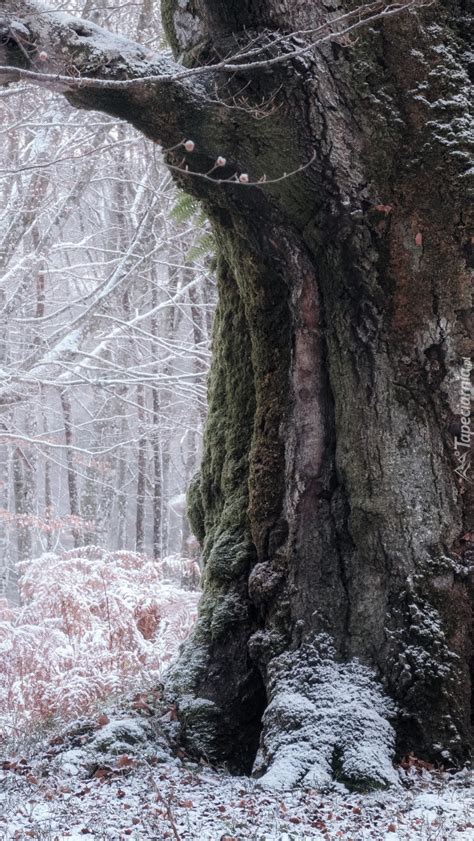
328,504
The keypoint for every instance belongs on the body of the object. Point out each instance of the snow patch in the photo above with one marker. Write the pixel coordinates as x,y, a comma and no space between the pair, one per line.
325,721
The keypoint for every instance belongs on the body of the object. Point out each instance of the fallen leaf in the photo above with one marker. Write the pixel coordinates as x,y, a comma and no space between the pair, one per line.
125,761
319,824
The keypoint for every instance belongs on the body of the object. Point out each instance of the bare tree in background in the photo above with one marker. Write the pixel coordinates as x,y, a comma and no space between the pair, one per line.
99,343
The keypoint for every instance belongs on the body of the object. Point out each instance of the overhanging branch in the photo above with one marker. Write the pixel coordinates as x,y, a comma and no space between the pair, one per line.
95,69
169,103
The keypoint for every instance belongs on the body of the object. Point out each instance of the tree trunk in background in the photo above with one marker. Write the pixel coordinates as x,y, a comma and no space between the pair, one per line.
121,534
328,504
74,505
89,511
171,320
47,490
156,439
23,483
8,583
141,473
48,502
157,476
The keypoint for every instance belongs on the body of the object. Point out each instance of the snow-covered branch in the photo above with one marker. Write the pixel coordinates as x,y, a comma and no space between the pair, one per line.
83,61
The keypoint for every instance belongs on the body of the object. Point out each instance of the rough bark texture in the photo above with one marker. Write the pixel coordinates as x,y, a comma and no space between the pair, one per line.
327,505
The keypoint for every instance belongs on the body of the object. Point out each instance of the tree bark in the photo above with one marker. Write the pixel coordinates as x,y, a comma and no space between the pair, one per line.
73,490
141,472
328,504
23,486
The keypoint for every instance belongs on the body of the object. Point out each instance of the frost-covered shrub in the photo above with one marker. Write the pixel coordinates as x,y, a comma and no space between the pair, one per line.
91,623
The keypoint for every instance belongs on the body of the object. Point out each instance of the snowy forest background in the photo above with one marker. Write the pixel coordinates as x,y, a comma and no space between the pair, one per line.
106,298
106,302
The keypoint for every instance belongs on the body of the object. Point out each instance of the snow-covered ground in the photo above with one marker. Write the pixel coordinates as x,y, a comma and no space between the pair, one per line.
88,630
112,777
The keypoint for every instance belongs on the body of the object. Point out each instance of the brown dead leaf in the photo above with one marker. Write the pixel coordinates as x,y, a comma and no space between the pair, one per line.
9,766
140,703
318,824
412,761
125,761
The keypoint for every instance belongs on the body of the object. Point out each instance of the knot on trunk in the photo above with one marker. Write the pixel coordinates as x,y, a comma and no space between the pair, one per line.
264,582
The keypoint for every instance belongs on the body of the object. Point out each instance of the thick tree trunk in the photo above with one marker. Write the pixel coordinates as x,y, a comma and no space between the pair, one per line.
328,504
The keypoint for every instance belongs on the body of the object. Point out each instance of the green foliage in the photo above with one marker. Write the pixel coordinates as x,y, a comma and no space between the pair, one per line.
188,209
202,248
185,208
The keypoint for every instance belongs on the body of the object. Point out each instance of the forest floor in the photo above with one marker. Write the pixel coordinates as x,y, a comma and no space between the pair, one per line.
112,777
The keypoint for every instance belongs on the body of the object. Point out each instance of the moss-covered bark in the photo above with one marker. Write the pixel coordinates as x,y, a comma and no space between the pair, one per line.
355,331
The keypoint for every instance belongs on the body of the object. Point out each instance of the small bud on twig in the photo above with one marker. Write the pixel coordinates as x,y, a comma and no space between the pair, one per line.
221,161
243,178
189,145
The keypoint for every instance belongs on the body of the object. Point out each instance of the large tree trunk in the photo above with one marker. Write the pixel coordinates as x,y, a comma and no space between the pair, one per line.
328,504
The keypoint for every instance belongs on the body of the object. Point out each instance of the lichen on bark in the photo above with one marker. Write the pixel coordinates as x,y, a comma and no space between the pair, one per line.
349,475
